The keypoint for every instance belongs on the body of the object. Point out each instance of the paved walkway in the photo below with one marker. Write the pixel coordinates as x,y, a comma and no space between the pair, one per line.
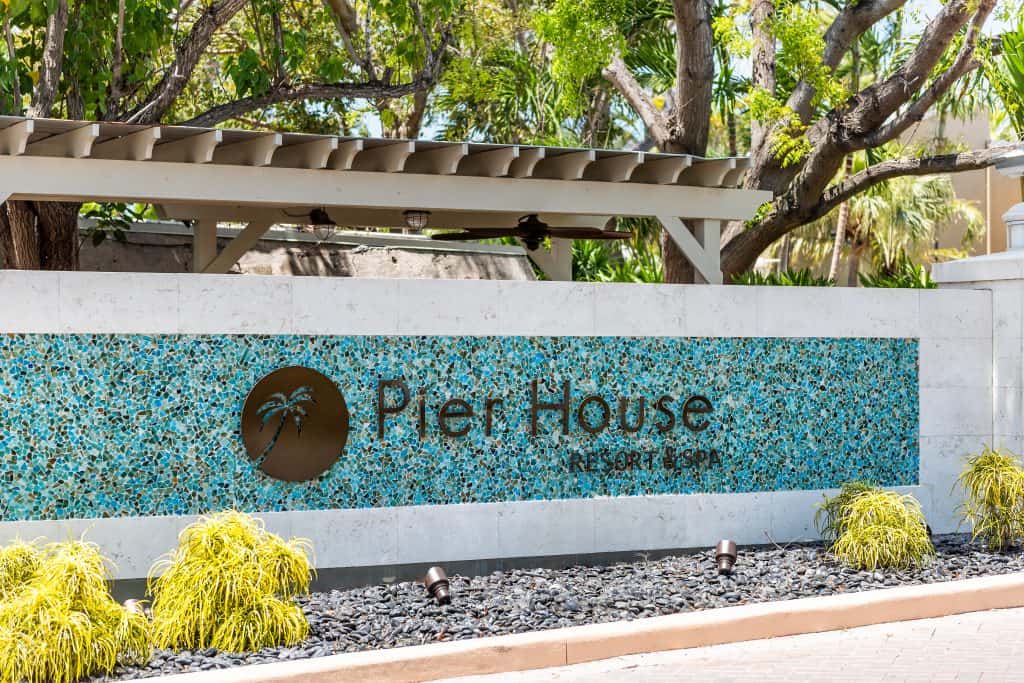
981,646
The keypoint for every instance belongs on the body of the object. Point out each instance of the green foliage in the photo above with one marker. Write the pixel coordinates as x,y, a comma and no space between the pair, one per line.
874,528
228,586
993,485
789,278
585,34
799,32
1006,75
894,225
58,622
907,275
111,219
830,518
636,260
19,564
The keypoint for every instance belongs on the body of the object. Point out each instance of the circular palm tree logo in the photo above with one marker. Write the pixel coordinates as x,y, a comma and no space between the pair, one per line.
294,424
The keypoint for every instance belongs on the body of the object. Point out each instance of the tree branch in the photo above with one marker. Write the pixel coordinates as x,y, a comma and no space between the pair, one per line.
848,26
896,168
619,75
740,252
963,64
346,21
52,63
872,106
312,91
186,58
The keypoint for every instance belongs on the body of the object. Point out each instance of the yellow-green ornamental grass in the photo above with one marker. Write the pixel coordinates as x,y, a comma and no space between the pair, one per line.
993,483
58,622
229,586
872,528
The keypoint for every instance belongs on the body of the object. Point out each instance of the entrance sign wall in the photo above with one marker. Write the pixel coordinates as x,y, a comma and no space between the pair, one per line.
440,420
122,396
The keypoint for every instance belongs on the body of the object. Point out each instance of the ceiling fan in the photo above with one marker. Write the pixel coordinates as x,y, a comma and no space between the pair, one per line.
532,231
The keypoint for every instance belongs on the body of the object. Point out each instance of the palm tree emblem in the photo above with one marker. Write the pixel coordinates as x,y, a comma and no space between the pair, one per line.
294,424
284,406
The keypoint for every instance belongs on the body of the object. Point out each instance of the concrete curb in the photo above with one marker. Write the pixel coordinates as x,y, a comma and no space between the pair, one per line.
559,647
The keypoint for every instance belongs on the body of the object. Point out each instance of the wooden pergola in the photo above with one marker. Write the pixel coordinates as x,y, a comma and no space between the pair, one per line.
206,175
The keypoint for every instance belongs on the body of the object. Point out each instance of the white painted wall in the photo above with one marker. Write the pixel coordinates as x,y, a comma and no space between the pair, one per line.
955,329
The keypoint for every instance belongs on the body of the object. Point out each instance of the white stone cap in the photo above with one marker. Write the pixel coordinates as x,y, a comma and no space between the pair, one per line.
1011,164
1014,219
1015,214
1003,265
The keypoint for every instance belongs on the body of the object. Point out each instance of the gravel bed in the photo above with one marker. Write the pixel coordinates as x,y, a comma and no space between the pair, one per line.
517,601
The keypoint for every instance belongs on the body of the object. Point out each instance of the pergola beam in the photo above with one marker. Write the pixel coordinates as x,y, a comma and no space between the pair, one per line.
254,152
355,217
194,149
45,178
137,146
14,139
312,154
76,143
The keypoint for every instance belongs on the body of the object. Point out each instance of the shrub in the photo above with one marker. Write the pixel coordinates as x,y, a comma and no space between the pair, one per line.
58,622
787,278
905,274
875,528
993,484
228,586
830,519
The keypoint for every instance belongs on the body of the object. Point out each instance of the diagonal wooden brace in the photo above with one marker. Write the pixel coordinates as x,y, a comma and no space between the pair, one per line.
702,246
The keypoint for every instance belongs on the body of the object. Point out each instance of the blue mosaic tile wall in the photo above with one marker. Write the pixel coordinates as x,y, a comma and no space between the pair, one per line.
112,425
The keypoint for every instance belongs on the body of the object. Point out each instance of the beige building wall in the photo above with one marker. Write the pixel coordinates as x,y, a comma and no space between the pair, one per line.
992,193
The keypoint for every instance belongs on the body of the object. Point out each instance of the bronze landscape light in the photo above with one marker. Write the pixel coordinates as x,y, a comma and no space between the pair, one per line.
725,556
436,583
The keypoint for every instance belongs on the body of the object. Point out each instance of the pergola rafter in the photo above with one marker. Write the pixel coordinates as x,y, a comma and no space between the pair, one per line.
260,178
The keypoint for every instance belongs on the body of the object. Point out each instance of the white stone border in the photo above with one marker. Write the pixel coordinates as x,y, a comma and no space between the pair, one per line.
578,644
954,328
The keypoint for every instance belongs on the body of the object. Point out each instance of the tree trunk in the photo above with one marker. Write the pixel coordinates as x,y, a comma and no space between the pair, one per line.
40,235
837,245
23,246
675,266
851,277
58,235
841,222
5,236
844,209
784,254
695,76
730,124
763,58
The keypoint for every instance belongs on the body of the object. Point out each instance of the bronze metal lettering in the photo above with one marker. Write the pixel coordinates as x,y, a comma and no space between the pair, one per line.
294,424
383,410
536,407
489,405
423,413
606,414
662,406
700,405
626,427
453,409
